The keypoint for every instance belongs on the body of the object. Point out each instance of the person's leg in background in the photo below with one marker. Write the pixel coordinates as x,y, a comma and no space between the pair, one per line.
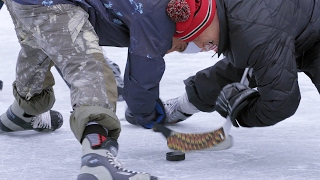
16,118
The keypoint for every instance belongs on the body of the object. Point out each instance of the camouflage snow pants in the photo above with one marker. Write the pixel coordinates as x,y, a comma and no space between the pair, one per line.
62,34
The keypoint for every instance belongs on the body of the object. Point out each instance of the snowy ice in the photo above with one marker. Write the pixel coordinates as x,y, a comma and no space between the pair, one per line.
286,151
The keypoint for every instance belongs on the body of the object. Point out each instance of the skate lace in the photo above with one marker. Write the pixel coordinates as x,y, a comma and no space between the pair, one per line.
42,121
172,112
117,164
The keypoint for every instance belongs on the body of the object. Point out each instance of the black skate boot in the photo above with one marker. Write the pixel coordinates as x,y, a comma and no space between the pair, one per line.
100,163
15,119
48,121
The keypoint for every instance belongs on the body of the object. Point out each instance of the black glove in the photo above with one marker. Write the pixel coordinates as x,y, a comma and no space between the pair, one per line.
157,116
232,99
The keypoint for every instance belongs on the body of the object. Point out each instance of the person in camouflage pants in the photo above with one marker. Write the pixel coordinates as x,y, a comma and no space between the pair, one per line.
62,34
74,50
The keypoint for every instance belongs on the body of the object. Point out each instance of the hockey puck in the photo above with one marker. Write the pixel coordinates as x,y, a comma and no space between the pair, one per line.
175,156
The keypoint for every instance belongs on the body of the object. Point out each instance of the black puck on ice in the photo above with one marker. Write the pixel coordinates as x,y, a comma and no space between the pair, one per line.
175,156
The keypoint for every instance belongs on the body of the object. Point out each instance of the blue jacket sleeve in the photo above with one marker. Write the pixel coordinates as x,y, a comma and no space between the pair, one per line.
150,38
144,27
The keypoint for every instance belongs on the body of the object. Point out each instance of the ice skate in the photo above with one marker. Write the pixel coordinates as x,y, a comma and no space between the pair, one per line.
173,112
15,119
101,163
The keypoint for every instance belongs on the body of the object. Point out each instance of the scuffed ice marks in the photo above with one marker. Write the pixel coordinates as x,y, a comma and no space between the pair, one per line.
47,2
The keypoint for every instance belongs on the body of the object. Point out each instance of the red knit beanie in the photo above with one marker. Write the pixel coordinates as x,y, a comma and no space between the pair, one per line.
192,17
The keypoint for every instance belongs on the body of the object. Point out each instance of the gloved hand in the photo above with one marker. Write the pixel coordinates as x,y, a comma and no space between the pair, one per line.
157,116
232,99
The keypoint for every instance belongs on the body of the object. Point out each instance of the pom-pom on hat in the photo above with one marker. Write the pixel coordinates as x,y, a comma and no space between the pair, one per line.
192,17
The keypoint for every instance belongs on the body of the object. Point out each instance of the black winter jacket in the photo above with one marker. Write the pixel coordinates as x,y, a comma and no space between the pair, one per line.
277,39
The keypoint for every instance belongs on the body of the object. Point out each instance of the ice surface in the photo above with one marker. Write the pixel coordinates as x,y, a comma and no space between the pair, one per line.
286,151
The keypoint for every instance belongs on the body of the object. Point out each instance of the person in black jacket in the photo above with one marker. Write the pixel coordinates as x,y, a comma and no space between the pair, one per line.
276,39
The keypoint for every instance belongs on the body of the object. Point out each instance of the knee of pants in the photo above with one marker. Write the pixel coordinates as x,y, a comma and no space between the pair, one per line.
38,104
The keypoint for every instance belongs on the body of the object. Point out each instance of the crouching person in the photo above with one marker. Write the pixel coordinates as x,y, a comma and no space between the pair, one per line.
60,32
